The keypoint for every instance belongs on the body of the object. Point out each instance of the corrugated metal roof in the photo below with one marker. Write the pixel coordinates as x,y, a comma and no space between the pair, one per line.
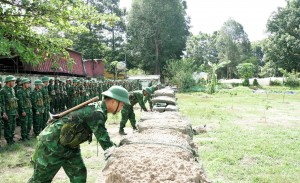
47,65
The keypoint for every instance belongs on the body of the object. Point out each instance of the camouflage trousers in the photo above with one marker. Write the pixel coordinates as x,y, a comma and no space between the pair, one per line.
37,123
127,113
46,116
9,128
26,123
47,163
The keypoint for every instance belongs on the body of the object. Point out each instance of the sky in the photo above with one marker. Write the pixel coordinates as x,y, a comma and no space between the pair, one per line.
209,15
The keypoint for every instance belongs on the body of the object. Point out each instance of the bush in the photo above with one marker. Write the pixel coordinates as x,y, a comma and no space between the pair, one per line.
255,82
275,83
292,81
246,82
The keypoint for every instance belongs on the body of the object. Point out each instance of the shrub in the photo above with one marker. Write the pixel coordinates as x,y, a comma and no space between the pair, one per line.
255,82
246,82
275,83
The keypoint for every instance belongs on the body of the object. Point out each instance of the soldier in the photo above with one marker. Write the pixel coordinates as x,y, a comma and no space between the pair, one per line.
10,108
149,97
52,95
37,107
59,144
128,112
24,104
64,96
57,95
46,100
68,85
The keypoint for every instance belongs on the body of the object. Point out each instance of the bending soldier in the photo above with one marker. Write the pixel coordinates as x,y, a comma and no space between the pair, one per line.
59,143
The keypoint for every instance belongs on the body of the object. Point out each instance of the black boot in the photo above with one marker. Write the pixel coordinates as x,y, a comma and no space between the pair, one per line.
122,132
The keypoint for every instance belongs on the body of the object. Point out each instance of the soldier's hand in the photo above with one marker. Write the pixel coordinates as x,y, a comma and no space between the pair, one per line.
5,117
23,113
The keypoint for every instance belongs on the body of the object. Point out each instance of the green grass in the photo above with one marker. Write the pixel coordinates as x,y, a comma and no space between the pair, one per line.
251,137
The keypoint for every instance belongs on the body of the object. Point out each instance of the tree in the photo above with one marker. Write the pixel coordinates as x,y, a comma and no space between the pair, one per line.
233,45
157,32
103,40
35,30
202,50
283,45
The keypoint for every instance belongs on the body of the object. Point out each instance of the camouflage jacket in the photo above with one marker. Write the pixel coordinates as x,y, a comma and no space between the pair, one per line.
137,97
9,101
37,101
46,96
83,122
24,99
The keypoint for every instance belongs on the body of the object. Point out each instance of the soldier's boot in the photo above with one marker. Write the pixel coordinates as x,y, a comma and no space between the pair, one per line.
122,132
135,129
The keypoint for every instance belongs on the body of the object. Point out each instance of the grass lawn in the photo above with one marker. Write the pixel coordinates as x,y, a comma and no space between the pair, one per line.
252,137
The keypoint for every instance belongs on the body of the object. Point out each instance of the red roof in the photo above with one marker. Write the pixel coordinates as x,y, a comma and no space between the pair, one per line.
47,65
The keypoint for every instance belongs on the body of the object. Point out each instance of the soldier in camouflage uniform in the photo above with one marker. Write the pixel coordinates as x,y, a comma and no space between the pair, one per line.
24,104
37,107
149,97
46,100
10,108
59,144
128,112
57,95
52,95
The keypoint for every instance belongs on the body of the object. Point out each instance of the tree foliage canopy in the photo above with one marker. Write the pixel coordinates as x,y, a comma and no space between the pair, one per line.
157,31
35,29
283,45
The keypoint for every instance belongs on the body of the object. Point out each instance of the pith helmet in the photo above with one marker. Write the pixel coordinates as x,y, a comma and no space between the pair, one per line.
45,79
118,93
18,80
25,80
10,78
148,90
38,82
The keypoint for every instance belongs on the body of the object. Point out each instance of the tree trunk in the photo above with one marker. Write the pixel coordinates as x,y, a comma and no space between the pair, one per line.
157,67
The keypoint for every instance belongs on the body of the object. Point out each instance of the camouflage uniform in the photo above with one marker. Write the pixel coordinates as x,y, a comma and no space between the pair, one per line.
52,95
25,107
46,101
59,144
57,95
37,110
128,112
10,107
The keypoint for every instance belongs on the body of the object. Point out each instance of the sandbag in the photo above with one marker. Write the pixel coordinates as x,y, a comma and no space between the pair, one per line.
164,99
164,92
172,108
142,163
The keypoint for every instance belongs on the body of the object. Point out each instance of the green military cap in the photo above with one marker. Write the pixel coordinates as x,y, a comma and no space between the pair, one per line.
18,80
118,93
74,80
45,78
148,90
10,78
57,79
69,79
25,80
38,82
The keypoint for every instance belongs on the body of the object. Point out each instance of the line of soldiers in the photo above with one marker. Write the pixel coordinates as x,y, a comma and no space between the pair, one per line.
32,107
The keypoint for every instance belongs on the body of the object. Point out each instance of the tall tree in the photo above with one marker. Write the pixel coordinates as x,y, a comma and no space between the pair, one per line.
283,45
157,31
103,40
233,45
32,28
202,50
